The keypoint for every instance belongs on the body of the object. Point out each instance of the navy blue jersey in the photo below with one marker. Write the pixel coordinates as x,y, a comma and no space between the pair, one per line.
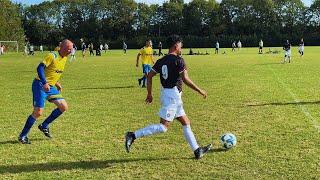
287,46
170,67
83,46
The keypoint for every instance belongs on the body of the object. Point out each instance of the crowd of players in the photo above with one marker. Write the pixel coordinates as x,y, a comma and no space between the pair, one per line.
171,68
30,50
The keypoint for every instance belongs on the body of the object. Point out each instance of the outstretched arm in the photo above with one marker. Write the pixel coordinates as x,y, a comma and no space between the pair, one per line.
190,84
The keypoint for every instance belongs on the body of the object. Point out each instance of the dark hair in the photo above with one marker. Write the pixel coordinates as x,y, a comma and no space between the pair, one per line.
173,39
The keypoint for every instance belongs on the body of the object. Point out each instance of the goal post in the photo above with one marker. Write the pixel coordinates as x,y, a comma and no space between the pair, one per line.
10,45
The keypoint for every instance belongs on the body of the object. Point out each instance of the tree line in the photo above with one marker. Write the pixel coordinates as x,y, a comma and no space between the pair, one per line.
201,22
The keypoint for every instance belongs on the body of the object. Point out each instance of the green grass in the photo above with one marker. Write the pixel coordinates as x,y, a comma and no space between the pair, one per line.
267,105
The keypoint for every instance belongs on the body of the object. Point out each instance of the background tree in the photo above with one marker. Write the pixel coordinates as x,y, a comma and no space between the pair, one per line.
200,22
11,25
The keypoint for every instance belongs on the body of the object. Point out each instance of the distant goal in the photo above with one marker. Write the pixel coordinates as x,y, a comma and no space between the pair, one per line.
10,46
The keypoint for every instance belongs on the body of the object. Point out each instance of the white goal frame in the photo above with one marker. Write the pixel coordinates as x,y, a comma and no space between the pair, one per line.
16,42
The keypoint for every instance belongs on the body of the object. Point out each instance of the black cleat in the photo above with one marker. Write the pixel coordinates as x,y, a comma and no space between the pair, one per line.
45,131
139,81
24,140
130,137
202,150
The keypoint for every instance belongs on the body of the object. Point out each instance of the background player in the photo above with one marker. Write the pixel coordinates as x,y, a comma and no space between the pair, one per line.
287,51
146,54
217,48
260,46
301,48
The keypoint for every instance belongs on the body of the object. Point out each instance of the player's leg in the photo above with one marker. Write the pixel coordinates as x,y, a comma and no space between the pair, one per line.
289,56
146,131
62,106
39,97
188,134
145,69
23,137
144,79
166,113
153,129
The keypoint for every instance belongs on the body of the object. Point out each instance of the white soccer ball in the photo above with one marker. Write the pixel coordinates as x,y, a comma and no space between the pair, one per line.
228,140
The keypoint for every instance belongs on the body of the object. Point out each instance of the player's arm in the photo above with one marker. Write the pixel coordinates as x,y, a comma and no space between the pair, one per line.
41,74
149,86
190,84
59,87
138,57
152,57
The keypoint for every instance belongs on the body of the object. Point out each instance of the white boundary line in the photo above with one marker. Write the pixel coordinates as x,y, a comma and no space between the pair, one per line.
305,110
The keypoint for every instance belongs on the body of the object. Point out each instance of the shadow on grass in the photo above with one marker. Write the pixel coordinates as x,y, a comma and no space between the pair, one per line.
263,64
115,87
218,150
17,142
58,166
283,104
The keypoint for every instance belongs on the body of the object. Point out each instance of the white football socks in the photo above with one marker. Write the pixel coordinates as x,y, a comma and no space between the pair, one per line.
149,130
188,134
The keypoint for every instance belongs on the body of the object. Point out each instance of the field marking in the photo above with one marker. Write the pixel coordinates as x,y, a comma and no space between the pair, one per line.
305,110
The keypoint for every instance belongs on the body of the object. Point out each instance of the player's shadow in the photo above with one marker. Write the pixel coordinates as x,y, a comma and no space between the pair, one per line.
217,150
93,88
58,166
263,64
17,142
284,104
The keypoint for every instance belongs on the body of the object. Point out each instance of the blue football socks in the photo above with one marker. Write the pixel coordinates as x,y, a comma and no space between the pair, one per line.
144,78
54,115
29,123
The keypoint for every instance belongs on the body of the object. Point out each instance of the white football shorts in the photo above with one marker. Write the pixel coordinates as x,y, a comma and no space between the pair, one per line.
73,51
288,53
171,104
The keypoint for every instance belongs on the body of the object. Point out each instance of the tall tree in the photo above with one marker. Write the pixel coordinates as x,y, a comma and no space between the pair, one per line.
198,17
11,24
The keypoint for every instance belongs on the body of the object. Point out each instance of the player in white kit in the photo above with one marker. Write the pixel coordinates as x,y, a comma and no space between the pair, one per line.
173,73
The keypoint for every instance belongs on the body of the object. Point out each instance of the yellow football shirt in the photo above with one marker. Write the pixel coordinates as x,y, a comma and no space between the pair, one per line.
54,67
146,55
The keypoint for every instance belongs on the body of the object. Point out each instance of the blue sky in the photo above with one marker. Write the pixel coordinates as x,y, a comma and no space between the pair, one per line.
29,2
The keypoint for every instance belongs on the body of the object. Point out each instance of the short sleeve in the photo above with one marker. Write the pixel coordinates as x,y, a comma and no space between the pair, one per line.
181,65
48,59
156,67
141,51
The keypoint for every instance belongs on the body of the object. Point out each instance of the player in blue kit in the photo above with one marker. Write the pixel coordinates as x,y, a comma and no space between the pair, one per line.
46,86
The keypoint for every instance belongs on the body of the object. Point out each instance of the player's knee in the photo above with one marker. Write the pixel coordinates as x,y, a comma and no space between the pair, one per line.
37,114
164,124
185,123
64,107
164,128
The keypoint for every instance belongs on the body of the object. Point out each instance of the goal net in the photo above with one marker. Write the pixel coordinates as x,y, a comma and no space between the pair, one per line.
9,46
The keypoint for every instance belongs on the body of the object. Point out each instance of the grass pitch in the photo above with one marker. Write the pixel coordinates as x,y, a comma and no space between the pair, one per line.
272,108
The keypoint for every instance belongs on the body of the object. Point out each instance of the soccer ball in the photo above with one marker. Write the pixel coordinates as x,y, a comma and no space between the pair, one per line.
228,140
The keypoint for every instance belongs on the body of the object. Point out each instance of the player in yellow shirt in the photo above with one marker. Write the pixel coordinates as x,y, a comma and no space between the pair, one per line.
146,54
46,86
